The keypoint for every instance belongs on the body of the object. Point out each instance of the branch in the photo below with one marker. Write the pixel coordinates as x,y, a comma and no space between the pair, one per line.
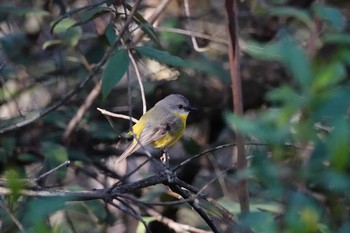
93,72
233,52
117,115
176,188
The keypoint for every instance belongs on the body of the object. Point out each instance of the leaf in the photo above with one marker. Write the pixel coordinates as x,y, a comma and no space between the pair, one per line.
270,51
166,58
145,26
110,33
92,14
338,145
14,182
297,13
289,53
328,76
63,25
72,36
51,43
296,61
337,38
115,69
330,15
69,34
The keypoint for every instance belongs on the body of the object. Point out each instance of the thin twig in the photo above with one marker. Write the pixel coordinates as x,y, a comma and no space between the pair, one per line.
192,34
64,164
176,188
128,210
202,153
156,13
218,174
177,227
138,76
13,218
117,115
193,39
85,106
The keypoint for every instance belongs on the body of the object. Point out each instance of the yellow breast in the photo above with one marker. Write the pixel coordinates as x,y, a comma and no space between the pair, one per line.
173,135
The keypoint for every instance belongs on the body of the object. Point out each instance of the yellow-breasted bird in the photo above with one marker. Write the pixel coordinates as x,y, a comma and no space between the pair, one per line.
161,126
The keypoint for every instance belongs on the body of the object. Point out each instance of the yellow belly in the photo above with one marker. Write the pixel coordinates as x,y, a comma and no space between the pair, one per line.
172,136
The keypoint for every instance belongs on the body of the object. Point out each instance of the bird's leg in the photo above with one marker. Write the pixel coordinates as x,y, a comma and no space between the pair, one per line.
165,157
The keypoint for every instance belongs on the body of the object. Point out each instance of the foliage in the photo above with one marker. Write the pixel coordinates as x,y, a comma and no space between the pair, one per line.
58,66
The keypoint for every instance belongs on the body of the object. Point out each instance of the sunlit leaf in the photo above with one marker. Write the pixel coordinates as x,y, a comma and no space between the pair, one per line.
51,43
70,35
14,182
328,75
63,25
115,69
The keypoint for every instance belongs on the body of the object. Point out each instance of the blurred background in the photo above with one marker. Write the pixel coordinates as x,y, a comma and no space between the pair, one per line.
294,66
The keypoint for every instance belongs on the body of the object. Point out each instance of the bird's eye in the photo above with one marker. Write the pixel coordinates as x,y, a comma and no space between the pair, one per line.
180,106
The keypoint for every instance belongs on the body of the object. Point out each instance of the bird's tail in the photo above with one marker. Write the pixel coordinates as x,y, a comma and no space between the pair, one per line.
128,151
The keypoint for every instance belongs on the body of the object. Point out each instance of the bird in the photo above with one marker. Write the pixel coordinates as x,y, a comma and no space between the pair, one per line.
161,126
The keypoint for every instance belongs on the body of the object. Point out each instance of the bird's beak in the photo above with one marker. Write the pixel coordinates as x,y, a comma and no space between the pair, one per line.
190,108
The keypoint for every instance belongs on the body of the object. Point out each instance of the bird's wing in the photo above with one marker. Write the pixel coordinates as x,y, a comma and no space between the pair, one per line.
151,132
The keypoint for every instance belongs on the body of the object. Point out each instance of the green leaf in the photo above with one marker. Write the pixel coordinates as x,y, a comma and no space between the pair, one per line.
297,13
70,35
289,53
261,51
261,222
296,61
51,43
14,182
166,58
92,14
63,25
338,145
328,76
115,69
110,33
145,26
330,15
338,38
